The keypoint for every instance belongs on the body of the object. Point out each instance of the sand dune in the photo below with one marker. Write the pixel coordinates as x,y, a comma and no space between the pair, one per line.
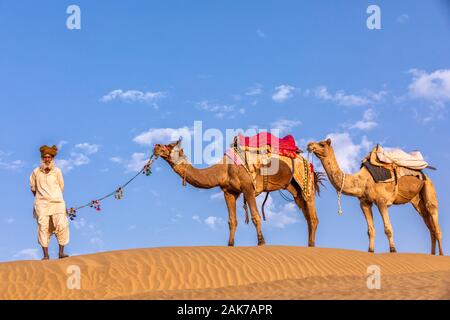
270,272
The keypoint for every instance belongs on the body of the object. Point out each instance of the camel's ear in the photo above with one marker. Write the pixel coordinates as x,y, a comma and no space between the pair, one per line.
179,141
328,141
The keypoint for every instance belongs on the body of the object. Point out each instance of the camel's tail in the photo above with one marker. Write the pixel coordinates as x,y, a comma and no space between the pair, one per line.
319,178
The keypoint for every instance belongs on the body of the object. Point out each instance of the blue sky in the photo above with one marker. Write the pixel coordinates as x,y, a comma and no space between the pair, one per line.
138,71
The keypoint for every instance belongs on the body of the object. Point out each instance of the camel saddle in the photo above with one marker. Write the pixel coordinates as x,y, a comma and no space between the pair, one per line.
386,165
267,142
256,154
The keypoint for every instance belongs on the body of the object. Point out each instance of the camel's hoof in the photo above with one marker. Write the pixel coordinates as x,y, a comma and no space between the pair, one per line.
393,250
231,244
371,250
45,258
261,242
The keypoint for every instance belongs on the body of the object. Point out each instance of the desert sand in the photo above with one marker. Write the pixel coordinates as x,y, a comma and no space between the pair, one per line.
269,272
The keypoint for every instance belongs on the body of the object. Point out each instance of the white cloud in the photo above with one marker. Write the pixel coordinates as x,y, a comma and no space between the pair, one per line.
7,164
433,86
10,220
403,18
213,222
283,93
162,135
97,241
133,96
254,90
196,218
349,154
340,97
279,216
260,33
217,195
219,110
134,164
79,223
285,125
28,254
75,160
87,147
376,96
367,123
60,144
176,218
116,159
78,157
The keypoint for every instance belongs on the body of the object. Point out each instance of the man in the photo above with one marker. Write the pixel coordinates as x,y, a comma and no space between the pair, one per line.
47,186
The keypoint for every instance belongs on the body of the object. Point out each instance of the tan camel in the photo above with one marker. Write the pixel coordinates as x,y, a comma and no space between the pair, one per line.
233,180
420,193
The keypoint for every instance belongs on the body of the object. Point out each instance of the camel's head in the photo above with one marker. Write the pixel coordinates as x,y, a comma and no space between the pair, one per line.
321,149
172,152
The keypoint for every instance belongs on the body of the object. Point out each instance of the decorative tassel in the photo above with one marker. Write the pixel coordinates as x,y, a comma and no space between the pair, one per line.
119,194
72,213
96,205
147,168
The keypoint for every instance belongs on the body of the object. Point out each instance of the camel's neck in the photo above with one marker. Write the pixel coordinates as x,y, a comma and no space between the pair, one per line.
200,178
353,183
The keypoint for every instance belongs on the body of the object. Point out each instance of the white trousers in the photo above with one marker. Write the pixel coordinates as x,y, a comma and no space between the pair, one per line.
57,224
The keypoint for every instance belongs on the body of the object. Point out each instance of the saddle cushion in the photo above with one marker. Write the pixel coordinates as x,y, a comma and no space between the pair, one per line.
389,157
283,146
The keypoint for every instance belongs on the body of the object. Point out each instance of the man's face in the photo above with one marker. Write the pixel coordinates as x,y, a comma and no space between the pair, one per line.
47,159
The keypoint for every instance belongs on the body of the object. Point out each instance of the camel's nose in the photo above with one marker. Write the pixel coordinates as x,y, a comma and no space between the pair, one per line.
310,147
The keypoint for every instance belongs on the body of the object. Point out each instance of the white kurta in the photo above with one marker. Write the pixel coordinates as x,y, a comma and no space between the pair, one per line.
49,188
49,206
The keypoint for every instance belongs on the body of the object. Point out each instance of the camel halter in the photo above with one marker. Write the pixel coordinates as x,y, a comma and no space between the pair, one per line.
340,212
178,160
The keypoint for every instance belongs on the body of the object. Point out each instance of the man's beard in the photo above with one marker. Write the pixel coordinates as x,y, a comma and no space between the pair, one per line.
49,166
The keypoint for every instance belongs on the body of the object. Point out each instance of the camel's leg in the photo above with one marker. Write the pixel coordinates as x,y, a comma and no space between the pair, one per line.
314,221
382,207
230,200
302,206
256,218
419,205
309,211
368,214
428,195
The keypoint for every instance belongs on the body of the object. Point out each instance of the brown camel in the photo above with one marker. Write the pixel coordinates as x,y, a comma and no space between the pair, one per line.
233,180
420,193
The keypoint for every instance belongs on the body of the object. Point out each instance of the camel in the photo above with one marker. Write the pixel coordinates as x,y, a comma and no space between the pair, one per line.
421,194
234,180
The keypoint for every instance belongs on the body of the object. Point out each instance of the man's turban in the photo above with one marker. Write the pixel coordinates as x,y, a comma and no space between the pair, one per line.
53,150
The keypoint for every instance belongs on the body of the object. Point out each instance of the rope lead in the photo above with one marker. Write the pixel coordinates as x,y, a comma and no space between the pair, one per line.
340,212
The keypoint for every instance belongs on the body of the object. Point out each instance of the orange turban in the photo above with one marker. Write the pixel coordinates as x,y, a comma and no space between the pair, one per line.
53,150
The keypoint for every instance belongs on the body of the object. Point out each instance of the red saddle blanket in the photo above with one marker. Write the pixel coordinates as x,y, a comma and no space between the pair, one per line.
284,146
